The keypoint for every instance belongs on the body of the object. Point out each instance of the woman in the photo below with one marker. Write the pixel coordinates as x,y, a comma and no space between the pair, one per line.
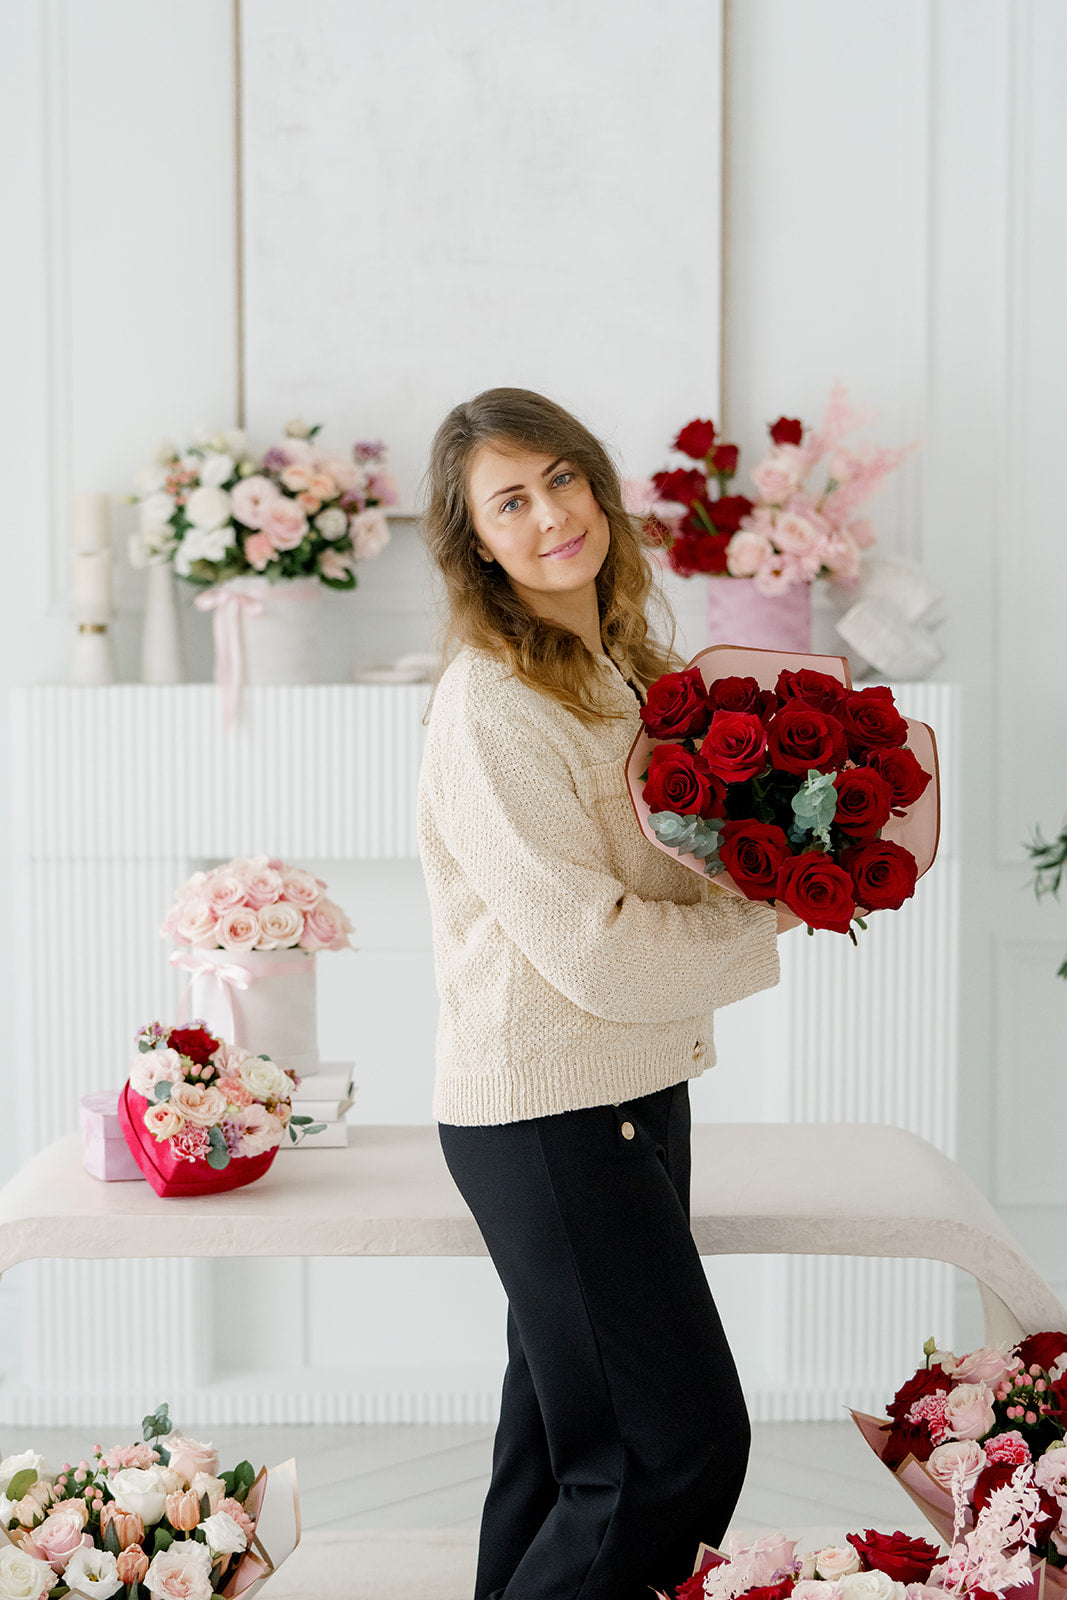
578,968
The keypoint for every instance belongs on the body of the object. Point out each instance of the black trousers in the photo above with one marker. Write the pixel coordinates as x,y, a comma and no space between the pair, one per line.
623,1435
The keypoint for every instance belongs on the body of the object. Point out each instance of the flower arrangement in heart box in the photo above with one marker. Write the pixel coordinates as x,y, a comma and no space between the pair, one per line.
200,1115
870,1566
771,774
978,1442
152,1519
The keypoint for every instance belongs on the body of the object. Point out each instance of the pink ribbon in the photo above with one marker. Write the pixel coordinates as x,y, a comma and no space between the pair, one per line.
229,975
228,604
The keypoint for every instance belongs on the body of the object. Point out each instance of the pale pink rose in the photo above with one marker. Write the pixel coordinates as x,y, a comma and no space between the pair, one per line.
59,1535
183,1572
310,502
128,1455
169,926
381,486
280,926
259,552
238,929
197,924
262,888
235,1091
949,1458
345,474
781,473
797,535
324,928
836,1561
370,533
322,485
251,499
761,1559
969,1410
1050,1473
296,477
336,564
778,573
150,1067
260,1129
862,533
163,1121
285,524
925,1591
202,1105
228,1057
842,557
223,890
294,448
987,1365
746,552
192,888
817,1589
301,888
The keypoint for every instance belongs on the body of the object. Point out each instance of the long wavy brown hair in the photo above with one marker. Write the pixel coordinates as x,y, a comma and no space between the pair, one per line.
483,610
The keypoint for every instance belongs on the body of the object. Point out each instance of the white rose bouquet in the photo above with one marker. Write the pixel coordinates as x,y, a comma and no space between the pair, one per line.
218,511
155,1520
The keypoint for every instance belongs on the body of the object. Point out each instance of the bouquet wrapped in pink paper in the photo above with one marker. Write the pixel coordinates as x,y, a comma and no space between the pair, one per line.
144,1521
869,1566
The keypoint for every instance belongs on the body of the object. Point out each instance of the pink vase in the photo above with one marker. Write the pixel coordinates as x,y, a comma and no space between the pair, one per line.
739,614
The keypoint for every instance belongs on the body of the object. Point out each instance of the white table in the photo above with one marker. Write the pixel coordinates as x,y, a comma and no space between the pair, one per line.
781,1188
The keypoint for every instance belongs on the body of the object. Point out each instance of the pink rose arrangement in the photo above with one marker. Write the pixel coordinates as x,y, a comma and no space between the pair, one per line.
155,1520
869,1566
256,903
792,531
300,510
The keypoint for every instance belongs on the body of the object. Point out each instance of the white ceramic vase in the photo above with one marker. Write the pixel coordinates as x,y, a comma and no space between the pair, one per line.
161,643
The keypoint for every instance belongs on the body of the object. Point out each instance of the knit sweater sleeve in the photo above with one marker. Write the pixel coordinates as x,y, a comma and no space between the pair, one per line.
508,813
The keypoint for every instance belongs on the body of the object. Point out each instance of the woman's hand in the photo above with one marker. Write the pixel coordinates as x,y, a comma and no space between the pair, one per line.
787,920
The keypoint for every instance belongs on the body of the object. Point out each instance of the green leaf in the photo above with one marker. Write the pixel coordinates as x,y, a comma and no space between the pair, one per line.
814,806
217,1138
205,1508
20,1483
144,1046
163,1540
316,1127
111,1540
157,1424
699,836
217,1159
162,1089
245,1473
299,1121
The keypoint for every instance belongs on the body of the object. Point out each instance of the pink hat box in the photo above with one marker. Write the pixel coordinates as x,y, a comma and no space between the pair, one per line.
105,1153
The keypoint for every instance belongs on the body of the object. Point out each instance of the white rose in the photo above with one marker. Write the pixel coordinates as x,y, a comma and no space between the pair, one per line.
265,1079
150,1067
140,1489
150,547
29,1459
370,533
207,507
184,1569
280,926
93,1572
331,523
156,511
947,1459
836,1561
214,471
871,1586
208,544
223,1535
23,1577
813,1589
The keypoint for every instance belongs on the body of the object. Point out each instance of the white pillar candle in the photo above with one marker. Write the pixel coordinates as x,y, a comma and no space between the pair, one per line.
90,521
92,585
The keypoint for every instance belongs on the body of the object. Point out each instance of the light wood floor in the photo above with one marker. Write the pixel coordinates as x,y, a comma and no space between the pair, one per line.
384,1477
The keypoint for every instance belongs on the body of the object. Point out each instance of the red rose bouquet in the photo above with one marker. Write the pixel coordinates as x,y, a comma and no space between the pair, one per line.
770,773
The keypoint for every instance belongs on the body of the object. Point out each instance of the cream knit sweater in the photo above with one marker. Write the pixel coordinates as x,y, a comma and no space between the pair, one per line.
577,965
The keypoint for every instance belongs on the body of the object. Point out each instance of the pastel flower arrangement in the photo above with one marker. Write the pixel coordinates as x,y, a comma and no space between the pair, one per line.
256,903
155,1520
870,1566
218,511
792,531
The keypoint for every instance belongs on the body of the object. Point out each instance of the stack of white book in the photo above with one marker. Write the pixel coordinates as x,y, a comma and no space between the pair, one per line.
325,1097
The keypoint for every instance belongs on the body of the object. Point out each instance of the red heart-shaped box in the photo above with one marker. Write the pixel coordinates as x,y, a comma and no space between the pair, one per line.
171,1175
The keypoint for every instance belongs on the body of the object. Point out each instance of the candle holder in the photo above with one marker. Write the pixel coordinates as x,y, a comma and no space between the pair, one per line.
91,600
91,658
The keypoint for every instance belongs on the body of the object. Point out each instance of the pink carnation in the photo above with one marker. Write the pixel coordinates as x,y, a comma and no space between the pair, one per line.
931,1410
1009,1448
129,1455
235,1091
192,1144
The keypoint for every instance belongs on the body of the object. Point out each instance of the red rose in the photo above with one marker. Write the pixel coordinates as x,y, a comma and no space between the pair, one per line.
871,721
906,1560
735,746
196,1043
772,1591
741,694
884,874
787,430
683,485
907,1439
695,439
698,552
817,890
677,706
800,736
1056,1399
902,772
728,511
679,781
863,802
814,688
928,1380
752,853
995,1477
724,459
1042,1350
691,1589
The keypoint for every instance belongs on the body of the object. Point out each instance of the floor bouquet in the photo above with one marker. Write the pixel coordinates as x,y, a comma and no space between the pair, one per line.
154,1520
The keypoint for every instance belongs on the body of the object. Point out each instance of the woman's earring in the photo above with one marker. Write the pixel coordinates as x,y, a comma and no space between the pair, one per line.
484,556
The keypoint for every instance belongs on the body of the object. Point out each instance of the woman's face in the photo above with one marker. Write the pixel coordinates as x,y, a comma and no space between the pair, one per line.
536,515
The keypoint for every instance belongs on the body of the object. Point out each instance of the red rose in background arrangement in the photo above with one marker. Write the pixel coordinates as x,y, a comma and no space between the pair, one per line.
682,486
679,781
1056,1397
903,774
772,1591
817,890
871,721
677,706
728,511
691,1589
1042,1349
695,439
752,853
928,1380
787,430
742,694
724,459
735,746
800,736
1001,1473
907,1439
863,802
196,1043
699,552
883,873
814,688
906,1560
